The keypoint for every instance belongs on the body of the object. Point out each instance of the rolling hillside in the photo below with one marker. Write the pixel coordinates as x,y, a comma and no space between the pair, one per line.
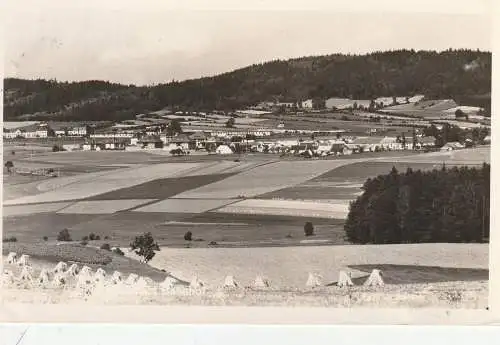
394,73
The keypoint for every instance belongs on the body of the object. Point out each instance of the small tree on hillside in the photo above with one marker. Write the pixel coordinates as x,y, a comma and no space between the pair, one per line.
9,165
230,123
308,229
145,246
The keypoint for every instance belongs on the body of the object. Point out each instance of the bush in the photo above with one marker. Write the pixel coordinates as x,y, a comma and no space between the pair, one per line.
64,236
106,246
188,236
118,251
45,238
91,236
85,238
106,237
57,148
84,243
9,239
98,238
308,229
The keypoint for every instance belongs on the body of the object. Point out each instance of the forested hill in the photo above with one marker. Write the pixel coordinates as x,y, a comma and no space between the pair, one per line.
464,75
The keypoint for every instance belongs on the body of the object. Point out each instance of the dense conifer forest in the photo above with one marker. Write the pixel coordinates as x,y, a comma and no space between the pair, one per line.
445,205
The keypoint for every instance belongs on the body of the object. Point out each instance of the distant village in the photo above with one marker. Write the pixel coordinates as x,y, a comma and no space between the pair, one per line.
268,127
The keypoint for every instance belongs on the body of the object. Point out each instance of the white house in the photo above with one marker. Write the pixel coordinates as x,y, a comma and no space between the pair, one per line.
391,143
80,131
307,104
32,131
454,145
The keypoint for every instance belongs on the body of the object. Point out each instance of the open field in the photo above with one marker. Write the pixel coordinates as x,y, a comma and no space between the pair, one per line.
313,209
103,206
344,182
289,267
182,193
21,210
263,179
233,230
184,205
106,182
472,295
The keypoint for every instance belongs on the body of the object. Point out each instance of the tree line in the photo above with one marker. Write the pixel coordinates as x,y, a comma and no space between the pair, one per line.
390,73
442,205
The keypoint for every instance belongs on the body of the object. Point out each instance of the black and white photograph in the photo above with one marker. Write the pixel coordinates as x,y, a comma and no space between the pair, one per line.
155,155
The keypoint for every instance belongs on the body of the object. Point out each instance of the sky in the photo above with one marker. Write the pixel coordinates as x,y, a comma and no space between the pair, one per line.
156,43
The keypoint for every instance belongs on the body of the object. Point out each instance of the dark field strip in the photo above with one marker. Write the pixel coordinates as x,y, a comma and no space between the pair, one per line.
32,228
162,188
413,274
371,169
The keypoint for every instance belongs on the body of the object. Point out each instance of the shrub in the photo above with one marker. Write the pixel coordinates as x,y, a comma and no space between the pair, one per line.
98,238
145,246
106,246
213,243
118,251
9,239
85,238
91,236
106,237
64,236
45,238
308,229
289,235
57,148
84,243
188,236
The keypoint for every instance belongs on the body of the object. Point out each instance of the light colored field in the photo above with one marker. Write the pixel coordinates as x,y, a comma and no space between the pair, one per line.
106,182
102,206
223,167
289,266
264,179
9,211
473,156
184,205
333,209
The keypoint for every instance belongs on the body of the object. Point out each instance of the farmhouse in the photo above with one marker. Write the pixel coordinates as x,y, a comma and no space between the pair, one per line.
365,144
199,139
391,143
151,142
338,103
30,131
182,140
426,142
340,148
99,144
